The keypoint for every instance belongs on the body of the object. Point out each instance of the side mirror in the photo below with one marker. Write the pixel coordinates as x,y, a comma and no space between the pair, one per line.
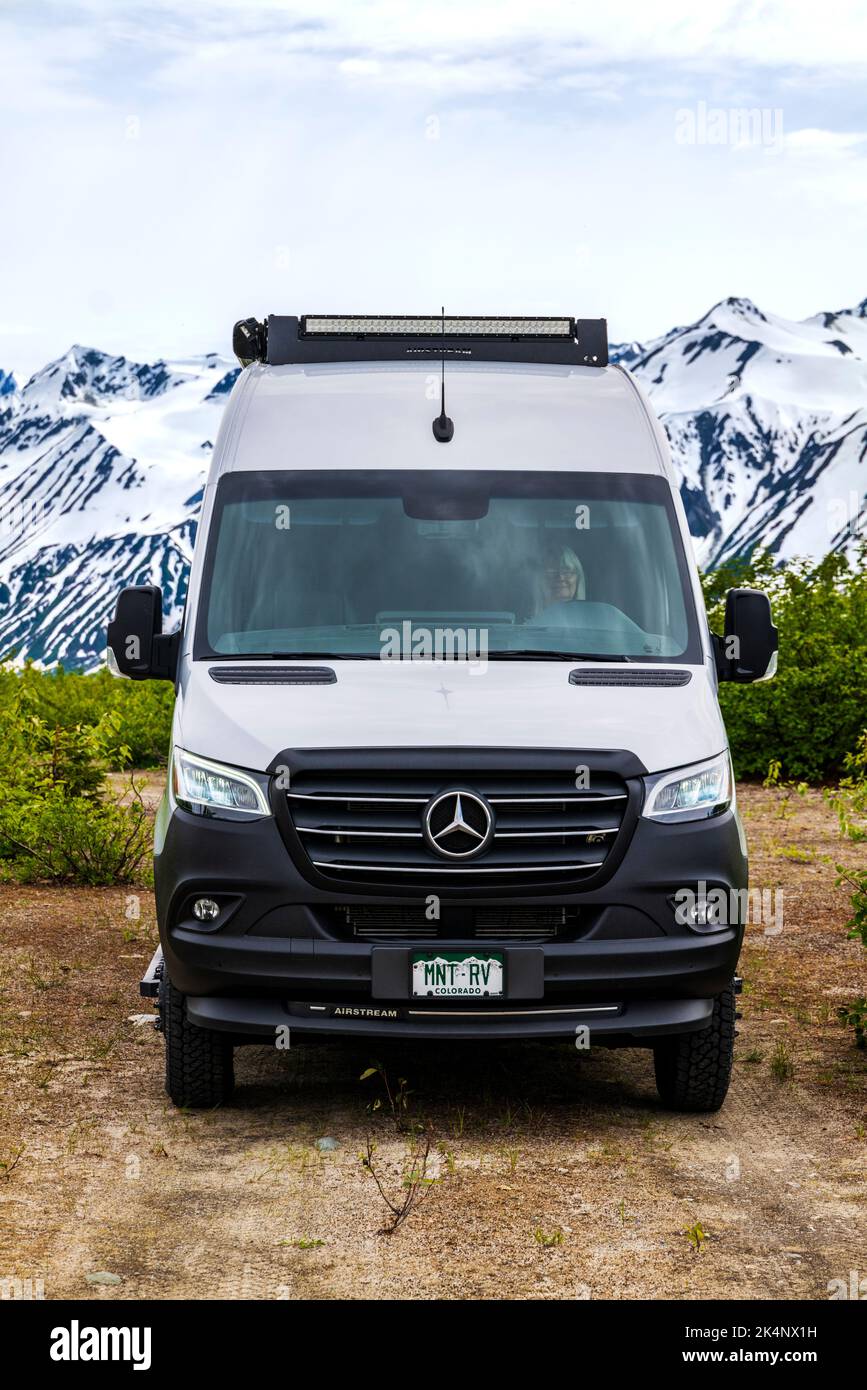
748,651
137,647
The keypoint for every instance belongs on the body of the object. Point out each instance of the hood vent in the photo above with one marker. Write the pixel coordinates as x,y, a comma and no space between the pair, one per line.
585,676
272,675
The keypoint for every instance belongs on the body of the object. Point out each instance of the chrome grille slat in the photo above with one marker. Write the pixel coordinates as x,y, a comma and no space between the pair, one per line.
372,834
417,835
352,797
436,868
549,800
368,800
546,834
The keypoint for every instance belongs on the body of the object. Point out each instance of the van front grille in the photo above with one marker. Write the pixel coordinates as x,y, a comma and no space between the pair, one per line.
458,824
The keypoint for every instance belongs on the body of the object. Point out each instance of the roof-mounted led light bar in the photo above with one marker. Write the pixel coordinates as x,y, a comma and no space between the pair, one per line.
403,326
285,339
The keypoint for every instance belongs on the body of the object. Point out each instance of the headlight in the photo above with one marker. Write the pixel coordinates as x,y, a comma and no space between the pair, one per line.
690,793
211,789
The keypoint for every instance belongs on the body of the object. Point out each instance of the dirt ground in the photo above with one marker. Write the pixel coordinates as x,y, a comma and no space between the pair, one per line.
557,1175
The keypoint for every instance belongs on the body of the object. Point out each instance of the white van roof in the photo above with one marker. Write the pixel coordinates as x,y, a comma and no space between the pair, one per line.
522,416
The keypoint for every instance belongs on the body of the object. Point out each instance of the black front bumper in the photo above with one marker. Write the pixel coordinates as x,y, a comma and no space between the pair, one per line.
608,1025
275,956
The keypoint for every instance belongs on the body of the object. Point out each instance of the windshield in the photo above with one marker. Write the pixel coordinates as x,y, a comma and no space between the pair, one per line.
445,564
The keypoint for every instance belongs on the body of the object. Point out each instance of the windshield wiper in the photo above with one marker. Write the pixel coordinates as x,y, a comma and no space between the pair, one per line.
325,656
293,656
540,654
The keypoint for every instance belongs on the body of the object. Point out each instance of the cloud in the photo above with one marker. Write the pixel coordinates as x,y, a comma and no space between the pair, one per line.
775,32
46,71
828,143
172,168
466,45
830,166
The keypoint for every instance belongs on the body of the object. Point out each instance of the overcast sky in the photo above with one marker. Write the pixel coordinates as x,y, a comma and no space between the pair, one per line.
168,168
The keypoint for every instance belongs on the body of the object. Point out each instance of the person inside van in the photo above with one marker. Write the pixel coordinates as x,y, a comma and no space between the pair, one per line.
561,577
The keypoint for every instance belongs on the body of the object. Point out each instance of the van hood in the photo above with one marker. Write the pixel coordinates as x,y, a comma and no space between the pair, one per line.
421,704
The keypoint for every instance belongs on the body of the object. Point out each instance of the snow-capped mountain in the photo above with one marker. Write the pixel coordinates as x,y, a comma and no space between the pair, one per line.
102,462
767,421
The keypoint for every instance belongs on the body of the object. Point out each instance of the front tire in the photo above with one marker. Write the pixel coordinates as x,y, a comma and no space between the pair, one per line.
693,1070
199,1063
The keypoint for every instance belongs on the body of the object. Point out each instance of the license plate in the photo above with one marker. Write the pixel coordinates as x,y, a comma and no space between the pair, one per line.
457,974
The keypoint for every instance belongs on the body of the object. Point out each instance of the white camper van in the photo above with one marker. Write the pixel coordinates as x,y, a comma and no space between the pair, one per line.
447,757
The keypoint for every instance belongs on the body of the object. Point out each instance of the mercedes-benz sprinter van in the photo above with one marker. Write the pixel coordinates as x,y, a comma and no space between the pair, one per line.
447,756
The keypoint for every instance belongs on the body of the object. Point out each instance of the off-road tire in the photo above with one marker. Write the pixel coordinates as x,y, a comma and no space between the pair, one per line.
199,1063
693,1070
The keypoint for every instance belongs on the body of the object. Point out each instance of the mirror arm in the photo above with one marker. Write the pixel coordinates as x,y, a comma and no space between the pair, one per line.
721,661
164,655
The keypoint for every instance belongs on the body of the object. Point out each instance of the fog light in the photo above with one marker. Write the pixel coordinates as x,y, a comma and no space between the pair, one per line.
699,914
705,910
206,910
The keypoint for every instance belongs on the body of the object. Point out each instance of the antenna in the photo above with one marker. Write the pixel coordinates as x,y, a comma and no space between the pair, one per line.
443,427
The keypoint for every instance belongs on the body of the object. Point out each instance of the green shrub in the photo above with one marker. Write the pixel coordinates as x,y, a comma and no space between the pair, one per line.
855,1013
850,800
78,839
813,713
856,879
58,821
36,757
68,698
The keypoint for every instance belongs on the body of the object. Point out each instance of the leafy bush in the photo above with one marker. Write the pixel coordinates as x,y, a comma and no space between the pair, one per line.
67,699
812,715
57,819
857,881
850,800
37,756
78,839
855,1013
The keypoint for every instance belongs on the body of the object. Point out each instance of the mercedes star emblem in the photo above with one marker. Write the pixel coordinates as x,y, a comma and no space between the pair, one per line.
458,824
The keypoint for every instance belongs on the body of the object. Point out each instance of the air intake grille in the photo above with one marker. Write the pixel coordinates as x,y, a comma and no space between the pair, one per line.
664,679
368,824
387,922
272,675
